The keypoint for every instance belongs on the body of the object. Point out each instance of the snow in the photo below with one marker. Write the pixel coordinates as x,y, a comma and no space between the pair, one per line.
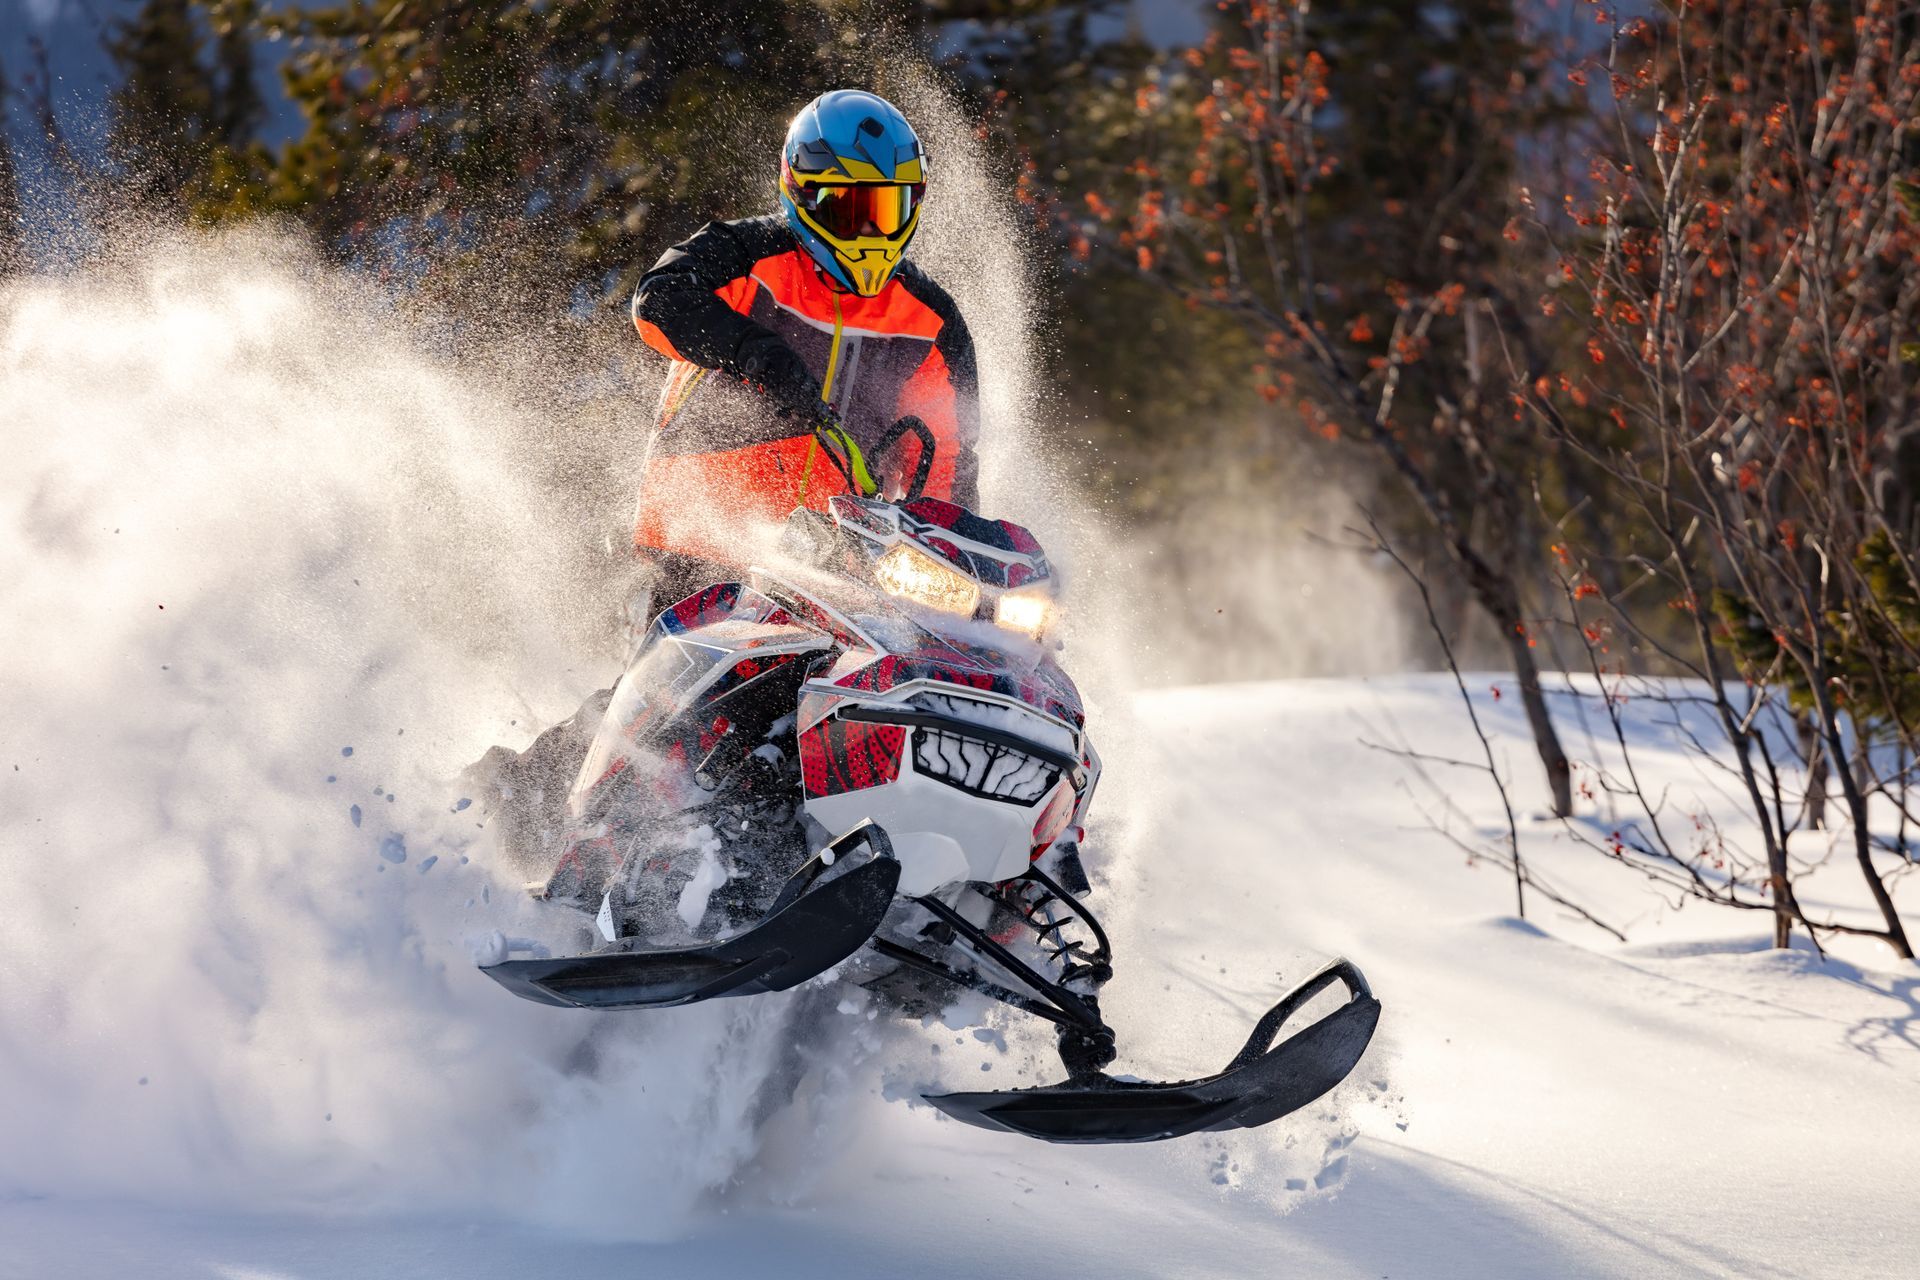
242,1035
1542,1100
710,875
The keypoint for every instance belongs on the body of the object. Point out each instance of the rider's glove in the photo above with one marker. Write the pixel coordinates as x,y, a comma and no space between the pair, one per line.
836,439
766,359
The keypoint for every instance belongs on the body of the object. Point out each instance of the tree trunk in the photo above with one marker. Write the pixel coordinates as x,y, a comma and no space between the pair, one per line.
1856,801
1492,581
1546,740
1494,587
1815,751
1778,882
1782,921
1896,931
1499,597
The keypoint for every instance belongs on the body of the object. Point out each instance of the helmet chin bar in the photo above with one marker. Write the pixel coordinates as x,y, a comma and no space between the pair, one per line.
869,263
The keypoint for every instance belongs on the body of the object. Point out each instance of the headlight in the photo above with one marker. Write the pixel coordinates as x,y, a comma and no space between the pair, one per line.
1029,612
914,575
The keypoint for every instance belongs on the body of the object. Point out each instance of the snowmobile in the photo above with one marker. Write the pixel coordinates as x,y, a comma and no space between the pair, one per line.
869,758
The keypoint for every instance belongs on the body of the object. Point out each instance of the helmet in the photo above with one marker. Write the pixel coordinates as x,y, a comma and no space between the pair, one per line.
851,176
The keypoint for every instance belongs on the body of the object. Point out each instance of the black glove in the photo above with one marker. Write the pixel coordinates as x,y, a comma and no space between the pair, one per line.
767,360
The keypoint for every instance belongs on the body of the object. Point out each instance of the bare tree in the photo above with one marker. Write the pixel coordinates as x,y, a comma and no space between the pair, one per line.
1742,268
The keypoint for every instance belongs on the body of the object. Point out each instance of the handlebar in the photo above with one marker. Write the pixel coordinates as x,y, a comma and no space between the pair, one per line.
911,425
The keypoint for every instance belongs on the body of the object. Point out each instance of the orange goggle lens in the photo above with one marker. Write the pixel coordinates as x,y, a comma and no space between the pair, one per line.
849,211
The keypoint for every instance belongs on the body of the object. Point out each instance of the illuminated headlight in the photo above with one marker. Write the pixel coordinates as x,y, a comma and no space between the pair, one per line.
1029,612
914,575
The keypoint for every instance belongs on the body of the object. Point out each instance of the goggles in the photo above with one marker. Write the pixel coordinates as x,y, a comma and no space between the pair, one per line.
845,211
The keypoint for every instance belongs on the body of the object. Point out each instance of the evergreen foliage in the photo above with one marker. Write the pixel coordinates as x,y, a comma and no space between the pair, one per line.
1871,647
11,231
187,108
1350,172
558,147
238,108
162,112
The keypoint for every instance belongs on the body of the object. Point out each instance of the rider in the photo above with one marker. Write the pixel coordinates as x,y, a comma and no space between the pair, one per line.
824,335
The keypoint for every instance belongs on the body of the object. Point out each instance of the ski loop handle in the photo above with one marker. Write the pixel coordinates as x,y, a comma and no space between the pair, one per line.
868,832
1268,1028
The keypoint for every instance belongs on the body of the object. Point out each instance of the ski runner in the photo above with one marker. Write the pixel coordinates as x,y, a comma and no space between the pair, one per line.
823,335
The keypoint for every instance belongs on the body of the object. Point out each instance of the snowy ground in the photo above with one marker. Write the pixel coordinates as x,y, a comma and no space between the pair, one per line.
1542,1101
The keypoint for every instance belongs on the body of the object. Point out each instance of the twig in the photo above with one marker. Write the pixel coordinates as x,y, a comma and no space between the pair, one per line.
1433,620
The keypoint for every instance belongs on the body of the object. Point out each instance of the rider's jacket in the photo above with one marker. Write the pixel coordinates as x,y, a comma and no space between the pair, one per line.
719,454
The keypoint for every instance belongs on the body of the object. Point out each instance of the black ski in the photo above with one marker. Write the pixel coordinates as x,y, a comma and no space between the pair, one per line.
817,923
1263,1082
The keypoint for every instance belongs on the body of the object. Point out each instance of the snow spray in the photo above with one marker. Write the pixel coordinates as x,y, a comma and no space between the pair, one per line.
274,572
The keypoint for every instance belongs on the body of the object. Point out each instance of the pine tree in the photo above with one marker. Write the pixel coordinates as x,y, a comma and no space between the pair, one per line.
238,108
562,145
12,256
163,122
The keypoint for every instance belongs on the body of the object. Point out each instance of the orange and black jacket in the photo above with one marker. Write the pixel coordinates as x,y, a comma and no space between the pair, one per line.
722,452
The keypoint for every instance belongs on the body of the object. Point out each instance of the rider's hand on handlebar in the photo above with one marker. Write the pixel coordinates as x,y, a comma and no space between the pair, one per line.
783,375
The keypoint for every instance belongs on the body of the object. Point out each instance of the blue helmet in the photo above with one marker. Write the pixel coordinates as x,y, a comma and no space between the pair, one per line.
852,173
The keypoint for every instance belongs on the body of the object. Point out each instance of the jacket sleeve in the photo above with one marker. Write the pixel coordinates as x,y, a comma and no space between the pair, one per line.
679,308
944,392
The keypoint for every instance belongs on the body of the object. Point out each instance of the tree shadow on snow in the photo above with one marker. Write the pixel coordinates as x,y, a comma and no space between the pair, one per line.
1873,1036
1415,1214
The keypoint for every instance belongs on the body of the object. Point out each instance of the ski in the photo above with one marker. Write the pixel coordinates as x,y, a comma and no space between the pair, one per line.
1263,1082
799,939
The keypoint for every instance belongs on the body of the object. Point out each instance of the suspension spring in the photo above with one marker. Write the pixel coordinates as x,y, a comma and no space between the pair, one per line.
1050,911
